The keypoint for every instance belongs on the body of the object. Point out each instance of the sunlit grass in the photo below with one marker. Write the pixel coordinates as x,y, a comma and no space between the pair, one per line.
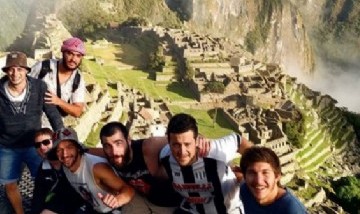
174,93
205,122
136,79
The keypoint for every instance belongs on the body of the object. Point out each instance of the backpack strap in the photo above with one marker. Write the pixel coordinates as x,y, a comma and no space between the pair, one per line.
76,82
45,68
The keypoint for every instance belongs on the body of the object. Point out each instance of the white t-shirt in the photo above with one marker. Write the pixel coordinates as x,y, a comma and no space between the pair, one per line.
66,88
208,185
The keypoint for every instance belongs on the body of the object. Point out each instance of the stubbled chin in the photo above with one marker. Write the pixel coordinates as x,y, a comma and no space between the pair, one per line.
183,162
118,161
258,193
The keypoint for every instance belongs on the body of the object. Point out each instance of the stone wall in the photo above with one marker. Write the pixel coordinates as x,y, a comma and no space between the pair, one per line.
91,116
116,112
279,145
317,199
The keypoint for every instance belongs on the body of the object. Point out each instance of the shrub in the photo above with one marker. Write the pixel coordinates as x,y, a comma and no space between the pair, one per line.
215,87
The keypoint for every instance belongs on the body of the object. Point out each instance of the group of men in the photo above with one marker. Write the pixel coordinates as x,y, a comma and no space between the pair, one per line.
23,99
180,173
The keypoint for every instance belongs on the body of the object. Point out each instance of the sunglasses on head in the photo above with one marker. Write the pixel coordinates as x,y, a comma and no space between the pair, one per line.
44,142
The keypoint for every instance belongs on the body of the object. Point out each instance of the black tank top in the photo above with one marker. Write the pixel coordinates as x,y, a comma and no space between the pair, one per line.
137,168
136,173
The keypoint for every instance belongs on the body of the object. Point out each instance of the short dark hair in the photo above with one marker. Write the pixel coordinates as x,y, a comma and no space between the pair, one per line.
43,131
110,128
260,154
181,123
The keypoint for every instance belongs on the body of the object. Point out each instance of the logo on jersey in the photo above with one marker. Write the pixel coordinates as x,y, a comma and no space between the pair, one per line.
198,200
193,187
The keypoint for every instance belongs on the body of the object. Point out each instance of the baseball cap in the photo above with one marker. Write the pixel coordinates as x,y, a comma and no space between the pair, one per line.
61,135
16,58
73,44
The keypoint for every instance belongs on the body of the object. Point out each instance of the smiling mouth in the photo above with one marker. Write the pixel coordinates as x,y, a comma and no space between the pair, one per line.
67,160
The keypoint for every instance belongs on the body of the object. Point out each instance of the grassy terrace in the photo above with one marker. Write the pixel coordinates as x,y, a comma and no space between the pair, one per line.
116,68
308,150
138,79
296,97
205,121
314,165
93,138
309,192
312,134
316,153
338,122
325,112
316,148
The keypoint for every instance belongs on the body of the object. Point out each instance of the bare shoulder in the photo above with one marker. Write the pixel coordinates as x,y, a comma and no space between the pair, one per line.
151,151
102,169
153,145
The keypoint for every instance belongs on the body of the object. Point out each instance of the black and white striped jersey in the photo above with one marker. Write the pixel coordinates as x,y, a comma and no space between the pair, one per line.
208,185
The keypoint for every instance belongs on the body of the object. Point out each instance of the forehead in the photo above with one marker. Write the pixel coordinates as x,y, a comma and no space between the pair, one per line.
12,68
185,137
260,166
68,52
66,144
43,136
116,137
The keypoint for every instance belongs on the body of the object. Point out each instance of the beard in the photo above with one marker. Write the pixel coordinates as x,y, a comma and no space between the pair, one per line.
70,163
126,157
67,67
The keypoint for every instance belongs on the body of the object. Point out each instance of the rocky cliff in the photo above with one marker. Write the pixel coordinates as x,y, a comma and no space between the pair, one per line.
13,20
303,35
272,30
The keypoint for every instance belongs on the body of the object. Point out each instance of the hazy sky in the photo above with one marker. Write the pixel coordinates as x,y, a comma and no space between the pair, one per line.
340,83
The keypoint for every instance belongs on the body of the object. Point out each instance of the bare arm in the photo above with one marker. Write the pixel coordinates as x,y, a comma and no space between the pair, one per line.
51,111
74,109
244,144
151,150
119,193
96,151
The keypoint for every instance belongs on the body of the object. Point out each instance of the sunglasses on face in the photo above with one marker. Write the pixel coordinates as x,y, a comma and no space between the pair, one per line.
44,142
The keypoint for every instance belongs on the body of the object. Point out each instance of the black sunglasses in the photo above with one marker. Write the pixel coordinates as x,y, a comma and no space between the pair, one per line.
44,142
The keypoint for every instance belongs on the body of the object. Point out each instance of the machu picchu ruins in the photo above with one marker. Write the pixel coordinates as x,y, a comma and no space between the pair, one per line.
258,100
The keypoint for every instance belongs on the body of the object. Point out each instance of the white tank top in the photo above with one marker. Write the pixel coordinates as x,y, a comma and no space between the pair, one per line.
84,183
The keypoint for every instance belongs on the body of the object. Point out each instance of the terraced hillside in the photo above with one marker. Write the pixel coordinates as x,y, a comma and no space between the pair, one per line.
326,130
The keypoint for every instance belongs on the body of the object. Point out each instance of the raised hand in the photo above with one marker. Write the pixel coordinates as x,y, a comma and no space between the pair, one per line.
109,200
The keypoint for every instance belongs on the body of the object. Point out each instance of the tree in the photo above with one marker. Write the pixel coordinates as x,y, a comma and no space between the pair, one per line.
294,129
135,21
253,40
157,59
347,189
215,87
189,71
82,20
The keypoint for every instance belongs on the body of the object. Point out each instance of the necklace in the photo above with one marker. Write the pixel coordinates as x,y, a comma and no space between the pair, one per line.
15,92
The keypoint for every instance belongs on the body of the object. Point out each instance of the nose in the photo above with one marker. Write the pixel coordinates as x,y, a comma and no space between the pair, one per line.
183,150
65,153
258,178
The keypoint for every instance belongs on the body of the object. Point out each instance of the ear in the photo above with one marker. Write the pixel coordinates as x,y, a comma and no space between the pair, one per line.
278,178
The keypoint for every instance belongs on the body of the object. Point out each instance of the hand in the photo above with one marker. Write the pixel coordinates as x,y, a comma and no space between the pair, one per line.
203,146
51,98
238,173
109,200
140,185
